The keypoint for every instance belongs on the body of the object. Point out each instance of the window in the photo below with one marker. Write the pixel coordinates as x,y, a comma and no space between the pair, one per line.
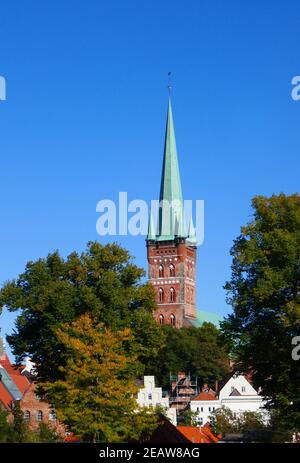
161,295
39,415
26,415
149,396
201,409
232,388
161,319
172,319
52,416
243,389
200,421
172,270
160,271
209,409
172,295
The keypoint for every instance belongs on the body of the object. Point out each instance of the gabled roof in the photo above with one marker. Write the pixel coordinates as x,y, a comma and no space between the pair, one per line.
21,381
204,396
198,435
167,433
13,384
235,392
5,398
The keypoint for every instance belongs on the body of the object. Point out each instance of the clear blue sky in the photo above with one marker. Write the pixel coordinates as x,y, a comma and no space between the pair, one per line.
86,108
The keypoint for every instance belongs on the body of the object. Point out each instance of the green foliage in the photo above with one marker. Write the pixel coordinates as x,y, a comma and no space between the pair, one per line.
102,282
264,292
47,434
96,398
19,427
200,351
5,429
189,418
17,430
224,421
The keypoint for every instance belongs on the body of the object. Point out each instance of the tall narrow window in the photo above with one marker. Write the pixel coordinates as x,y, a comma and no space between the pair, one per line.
161,295
172,270
172,295
172,319
39,415
27,415
161,319
161,271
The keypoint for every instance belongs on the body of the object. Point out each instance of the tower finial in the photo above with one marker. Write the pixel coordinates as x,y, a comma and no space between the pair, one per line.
169,86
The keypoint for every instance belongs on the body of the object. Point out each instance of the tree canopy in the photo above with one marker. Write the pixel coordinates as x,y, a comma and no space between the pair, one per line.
96,398
201,352
264,292
103,282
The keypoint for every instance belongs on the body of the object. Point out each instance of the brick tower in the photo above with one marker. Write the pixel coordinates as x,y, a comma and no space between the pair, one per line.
171,251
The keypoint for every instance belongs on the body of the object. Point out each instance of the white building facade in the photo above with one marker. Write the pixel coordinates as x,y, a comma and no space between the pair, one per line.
237,394
152,396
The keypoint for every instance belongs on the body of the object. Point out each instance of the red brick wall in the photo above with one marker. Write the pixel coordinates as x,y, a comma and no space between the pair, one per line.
33,404
183,258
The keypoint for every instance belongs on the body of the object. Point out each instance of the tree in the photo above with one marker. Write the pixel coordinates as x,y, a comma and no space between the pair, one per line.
200,351
20,430
47,434
264,292
5,429
102,282
224,421
96,398
189,418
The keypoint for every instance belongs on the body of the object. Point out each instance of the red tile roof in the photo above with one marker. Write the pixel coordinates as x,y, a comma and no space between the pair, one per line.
5,397
204,396
21,381
198,435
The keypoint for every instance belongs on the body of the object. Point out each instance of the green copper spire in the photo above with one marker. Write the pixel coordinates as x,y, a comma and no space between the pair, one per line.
151,230
171,217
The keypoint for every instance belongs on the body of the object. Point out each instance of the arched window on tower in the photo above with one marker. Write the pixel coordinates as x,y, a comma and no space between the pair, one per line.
161,319
172,270
172,319
161,295
26,416
160,271
172,295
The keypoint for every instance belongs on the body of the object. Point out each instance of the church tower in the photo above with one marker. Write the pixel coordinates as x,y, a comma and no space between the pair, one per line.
171,250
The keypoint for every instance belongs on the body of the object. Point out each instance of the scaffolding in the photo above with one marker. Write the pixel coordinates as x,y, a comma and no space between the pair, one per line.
183,389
